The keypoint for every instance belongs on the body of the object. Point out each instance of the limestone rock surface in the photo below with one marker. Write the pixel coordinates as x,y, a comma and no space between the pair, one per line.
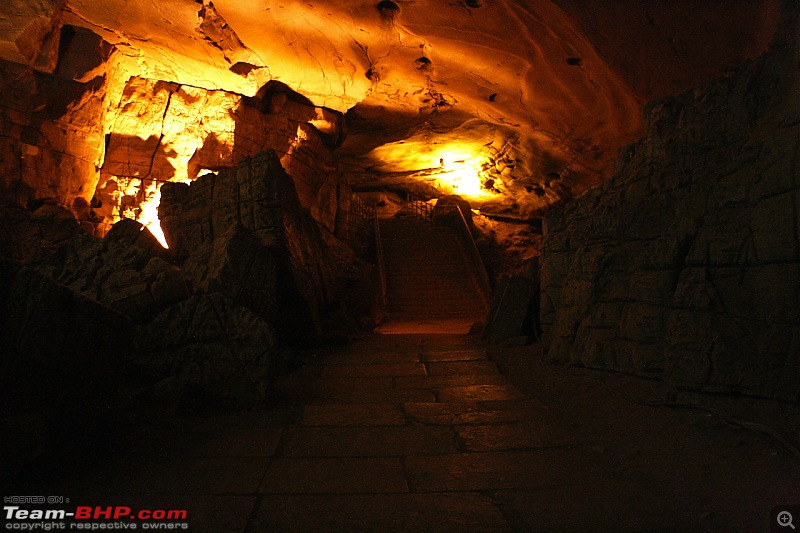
540,93
125,272
223,353
685,264
238,265
209,222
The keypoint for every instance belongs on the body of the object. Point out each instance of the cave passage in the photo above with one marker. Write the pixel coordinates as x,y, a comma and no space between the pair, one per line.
408,432
507,265
431,286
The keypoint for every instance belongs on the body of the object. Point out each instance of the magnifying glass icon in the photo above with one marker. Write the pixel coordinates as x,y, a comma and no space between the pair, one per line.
785,519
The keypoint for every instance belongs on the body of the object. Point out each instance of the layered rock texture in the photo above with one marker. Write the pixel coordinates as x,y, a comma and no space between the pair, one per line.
205,317
516,104
245,233
685,264
123,118
104,147
166,132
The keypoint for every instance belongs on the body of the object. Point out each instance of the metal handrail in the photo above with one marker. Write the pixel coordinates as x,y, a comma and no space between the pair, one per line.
420,208
473,255
425,211
366,216
381,264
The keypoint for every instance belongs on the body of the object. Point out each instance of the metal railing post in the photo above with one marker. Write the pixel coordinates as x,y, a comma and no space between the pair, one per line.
473,255
381,264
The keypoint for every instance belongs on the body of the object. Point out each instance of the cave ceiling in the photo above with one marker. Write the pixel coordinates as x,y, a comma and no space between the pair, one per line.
533,97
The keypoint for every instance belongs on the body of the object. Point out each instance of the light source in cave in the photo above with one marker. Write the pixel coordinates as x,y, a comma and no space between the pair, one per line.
453,167
146,212
461,174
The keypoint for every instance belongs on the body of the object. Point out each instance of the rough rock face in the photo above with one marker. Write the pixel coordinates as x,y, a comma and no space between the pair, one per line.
52,335
169,132
685,264
109,309
61,355
128,232
91,136
222,352
123,272
237,264
51,136
549,93
256,201
511,315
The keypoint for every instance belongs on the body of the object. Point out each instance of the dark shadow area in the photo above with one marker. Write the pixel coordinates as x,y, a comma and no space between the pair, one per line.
80,51
274,93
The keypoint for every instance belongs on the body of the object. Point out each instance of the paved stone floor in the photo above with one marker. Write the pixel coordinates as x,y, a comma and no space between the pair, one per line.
427,433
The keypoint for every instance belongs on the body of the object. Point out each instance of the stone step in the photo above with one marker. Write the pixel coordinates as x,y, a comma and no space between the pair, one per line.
451,305
436,310
454,306
424,266
462,304
427,273
447,285
450,286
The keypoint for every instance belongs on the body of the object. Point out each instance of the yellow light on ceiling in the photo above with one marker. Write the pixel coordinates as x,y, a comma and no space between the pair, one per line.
461,174
453,167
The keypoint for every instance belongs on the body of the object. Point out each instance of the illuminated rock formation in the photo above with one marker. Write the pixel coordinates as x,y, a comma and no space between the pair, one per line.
515,105
518,107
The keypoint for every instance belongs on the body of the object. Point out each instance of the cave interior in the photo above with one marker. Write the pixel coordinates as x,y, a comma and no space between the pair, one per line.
482,265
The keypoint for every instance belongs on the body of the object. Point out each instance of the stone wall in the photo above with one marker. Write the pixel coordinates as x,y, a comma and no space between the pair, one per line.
51,136
164,132
686,264
103,146
216,223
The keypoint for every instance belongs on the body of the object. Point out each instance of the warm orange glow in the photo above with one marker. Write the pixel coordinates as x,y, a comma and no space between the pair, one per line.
455,168
148,215
146,212
197,128
461,174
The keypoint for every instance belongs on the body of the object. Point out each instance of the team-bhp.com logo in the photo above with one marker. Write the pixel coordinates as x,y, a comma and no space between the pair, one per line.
85,517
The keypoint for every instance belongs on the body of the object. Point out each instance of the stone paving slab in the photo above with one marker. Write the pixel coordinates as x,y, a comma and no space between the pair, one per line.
453,355
353,415
447,368
333,386
381,370
445,513
439,382
399,325
452,414
527,435
355,452
372,357
479,393
206,514
271,416
201,440
223,475
503,470
340,475
381,396
152,474
368,441
610,506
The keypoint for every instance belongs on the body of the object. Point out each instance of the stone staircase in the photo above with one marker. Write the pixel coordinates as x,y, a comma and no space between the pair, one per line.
428,276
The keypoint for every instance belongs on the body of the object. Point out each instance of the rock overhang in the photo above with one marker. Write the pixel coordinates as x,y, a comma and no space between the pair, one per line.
530,99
